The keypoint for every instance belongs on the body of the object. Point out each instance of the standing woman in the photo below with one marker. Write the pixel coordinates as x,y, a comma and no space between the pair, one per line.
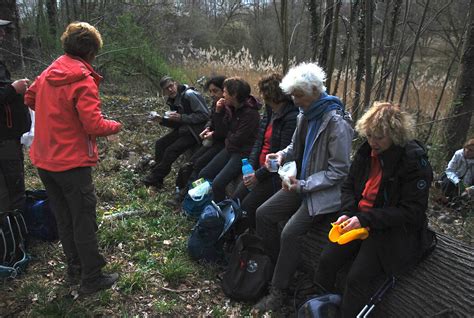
68,120
386,192
242,134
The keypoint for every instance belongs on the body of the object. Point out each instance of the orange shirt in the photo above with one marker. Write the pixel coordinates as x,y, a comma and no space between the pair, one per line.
372,185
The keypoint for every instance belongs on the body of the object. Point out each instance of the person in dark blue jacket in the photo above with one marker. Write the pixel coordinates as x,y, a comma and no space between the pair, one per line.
14,121
276,129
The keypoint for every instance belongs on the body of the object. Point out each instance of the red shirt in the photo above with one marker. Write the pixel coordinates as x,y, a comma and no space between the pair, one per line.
372,185
266,144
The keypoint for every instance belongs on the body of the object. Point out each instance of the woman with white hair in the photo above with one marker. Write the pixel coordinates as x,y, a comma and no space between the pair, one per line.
386,192
321,147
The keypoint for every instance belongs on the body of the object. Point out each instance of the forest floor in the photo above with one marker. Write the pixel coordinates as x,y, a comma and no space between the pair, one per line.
148,249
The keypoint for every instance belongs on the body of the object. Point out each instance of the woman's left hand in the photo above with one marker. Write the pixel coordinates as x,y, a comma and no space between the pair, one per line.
350,224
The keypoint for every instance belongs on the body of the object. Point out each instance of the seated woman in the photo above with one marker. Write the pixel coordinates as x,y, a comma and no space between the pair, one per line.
459,175
242,133
276,129
213,140
387,193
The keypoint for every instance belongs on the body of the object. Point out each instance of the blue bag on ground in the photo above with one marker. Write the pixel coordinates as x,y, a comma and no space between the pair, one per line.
39,218
197,199
324,306
206,241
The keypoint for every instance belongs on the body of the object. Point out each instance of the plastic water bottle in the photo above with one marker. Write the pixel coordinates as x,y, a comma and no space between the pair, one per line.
247,170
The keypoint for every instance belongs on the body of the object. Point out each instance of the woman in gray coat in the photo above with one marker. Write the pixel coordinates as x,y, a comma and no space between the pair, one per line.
321,147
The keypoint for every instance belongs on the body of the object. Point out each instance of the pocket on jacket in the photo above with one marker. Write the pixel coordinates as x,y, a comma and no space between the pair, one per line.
89,200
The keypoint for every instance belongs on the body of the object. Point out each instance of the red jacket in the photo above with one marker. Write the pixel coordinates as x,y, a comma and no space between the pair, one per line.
68,115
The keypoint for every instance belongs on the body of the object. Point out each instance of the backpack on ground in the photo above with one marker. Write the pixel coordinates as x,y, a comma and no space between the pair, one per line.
39,218
249,271
324,306
207,238
13,257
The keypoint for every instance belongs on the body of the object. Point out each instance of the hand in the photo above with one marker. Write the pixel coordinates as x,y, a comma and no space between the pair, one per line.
292,186
220,105
350,224
269,156
204,132
21,85
250,180
174,116
341,219
209,135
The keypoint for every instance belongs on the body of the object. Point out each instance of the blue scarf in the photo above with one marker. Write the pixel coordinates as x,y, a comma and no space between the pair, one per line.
314,115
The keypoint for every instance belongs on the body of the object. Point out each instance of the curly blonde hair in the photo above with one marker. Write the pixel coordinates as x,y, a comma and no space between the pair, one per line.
387,119
81,39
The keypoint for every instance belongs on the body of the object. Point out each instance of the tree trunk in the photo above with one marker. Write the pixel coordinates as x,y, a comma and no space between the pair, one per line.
369,11
332,54
314,15
442,283
463,103
51,9
326,40
360,64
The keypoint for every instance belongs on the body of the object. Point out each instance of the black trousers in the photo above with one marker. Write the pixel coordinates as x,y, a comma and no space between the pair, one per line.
364,274
448,187
167,149
221,171
199,160
12,176
72,198
251,200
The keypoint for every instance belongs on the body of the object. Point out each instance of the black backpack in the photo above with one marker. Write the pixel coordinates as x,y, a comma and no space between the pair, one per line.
13,257
249,271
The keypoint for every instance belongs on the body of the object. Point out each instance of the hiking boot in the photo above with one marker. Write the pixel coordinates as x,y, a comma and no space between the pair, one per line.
104,281
149,181
273,301
73,278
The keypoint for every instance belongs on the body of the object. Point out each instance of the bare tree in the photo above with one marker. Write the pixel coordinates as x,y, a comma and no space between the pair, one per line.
369,11
462,105
326,39
332,52
51,9
360,63
283,27
315,21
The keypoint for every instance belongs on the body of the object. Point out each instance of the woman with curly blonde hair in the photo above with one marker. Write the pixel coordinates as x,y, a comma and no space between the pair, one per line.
386,193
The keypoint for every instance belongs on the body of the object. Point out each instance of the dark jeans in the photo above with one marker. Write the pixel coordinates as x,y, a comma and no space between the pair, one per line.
285,248
199,160
364,273
251,200
221,171
448,187
167,149
12,176
72,198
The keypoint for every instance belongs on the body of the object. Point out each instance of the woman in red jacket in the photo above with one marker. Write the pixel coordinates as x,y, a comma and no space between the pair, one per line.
68,119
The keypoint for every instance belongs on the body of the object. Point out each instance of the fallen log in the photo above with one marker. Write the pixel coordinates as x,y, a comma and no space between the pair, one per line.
441,286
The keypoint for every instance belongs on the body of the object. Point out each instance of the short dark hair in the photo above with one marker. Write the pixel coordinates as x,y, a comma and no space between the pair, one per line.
238,87
81,39
269,86
217,81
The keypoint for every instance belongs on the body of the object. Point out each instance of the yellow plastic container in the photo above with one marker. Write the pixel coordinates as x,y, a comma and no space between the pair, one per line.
335,234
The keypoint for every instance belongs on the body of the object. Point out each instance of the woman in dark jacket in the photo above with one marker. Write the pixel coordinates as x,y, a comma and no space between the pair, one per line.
386,192
242,134
276,129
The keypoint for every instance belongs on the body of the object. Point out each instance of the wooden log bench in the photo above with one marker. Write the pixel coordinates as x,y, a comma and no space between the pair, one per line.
441,286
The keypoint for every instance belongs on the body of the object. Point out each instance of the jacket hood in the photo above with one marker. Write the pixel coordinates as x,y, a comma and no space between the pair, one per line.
67,69
253,102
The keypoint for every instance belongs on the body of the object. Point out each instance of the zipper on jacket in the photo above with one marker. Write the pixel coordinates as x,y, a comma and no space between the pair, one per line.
8,116
89,146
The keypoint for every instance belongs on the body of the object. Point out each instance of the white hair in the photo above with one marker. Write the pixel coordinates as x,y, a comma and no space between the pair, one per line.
304,77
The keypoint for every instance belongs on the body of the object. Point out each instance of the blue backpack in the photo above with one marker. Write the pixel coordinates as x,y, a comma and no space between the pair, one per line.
206,241
39,218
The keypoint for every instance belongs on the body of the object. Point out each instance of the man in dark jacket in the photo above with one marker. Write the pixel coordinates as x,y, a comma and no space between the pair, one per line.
14,121
187,116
